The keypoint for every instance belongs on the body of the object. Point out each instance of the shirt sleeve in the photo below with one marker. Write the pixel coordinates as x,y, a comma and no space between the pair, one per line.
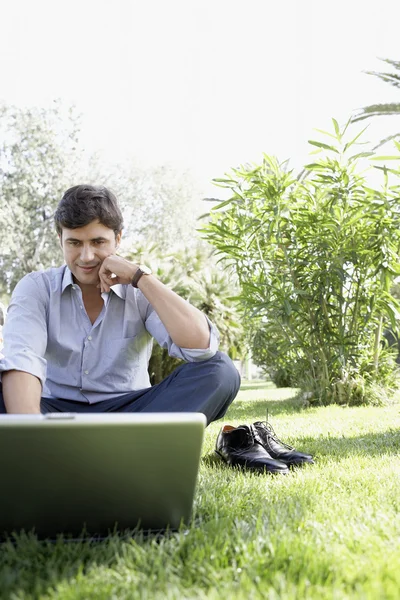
25,331
157,329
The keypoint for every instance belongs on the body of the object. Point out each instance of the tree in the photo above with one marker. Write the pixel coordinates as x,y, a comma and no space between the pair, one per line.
37,156
315,256
160,205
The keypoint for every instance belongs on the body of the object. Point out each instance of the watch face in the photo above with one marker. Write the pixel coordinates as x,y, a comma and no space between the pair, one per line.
146,270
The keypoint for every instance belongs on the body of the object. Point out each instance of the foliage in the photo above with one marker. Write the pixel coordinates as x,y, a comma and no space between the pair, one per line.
272,355
35,167
159,204
316,256
383,110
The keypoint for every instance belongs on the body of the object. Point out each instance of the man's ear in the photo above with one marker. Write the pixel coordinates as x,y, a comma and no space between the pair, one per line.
60,239
118,239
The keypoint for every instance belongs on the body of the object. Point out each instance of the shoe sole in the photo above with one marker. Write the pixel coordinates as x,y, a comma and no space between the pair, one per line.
262,469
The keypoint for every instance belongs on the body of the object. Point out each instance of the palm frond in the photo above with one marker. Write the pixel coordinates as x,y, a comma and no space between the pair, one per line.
385,140
382,110
377,110
393,63
391,78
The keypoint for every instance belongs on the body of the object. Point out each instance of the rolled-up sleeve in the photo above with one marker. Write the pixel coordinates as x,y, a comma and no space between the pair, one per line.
25,331
156,328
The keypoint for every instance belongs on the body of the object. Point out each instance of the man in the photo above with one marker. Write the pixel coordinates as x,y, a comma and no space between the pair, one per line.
78,338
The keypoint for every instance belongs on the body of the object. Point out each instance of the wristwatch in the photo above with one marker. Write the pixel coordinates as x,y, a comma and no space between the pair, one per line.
141,270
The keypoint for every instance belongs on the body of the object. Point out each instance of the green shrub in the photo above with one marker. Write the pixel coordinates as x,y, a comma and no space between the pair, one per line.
316,256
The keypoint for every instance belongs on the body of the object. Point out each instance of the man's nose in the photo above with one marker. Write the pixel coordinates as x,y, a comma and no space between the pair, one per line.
87,254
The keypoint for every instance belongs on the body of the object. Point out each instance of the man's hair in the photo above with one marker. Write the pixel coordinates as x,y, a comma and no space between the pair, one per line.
83,204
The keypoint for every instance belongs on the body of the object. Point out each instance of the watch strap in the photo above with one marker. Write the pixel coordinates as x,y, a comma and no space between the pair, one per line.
136,277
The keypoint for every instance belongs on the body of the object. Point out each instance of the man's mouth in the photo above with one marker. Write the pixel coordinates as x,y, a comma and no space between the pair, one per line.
87,269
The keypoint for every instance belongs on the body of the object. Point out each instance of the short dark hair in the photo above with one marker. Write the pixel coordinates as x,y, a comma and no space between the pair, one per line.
83,204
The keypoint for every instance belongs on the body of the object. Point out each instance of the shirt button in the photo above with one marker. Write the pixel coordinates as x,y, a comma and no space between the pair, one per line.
90,337
82,307
86,372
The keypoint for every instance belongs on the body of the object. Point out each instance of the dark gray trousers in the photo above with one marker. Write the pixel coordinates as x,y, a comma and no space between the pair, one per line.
207,387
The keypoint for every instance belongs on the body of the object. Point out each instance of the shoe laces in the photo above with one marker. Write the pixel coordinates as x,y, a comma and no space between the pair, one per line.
252,435
271,433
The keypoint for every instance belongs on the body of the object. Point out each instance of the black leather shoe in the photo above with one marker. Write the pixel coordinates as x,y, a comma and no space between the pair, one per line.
278,449
238,446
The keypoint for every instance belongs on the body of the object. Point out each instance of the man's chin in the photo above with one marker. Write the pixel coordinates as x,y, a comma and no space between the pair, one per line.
87,278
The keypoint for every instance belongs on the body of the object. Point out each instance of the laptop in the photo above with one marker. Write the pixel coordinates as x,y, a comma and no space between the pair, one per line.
89,475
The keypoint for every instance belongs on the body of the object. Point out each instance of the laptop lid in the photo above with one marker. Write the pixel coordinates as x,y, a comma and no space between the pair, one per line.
71,473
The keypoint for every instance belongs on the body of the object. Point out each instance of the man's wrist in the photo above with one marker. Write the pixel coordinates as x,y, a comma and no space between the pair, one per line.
140,271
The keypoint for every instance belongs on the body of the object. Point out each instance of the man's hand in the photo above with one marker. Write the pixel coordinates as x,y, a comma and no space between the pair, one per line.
115,269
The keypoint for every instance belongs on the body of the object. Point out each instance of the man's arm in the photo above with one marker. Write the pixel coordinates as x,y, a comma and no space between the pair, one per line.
23,366
21,392
186,325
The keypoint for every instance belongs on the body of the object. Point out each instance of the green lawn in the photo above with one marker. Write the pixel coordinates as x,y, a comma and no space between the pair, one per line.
329,530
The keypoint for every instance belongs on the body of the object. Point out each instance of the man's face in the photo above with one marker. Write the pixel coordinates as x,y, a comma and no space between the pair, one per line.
85,248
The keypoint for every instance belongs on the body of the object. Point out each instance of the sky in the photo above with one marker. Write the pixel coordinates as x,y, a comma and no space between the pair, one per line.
205,85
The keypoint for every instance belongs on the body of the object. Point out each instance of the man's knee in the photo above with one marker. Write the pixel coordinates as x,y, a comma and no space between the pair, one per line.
223,374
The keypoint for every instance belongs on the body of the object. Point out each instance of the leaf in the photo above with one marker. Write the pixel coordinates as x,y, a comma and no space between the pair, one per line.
354,139
360,155
386,170
316,151
336,126
346,126
322,145
386,158
222,204
312,166
325,133
222,180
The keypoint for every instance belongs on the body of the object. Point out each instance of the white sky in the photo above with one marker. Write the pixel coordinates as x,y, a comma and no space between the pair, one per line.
207,84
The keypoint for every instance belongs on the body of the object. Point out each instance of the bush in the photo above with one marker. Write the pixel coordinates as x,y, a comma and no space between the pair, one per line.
316,256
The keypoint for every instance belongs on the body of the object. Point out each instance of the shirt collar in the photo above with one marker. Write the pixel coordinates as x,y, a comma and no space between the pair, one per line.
118,288
67,279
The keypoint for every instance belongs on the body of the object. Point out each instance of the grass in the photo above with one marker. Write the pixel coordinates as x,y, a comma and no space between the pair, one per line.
326,531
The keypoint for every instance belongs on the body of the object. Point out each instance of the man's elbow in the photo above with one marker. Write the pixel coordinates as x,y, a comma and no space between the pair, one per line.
21,392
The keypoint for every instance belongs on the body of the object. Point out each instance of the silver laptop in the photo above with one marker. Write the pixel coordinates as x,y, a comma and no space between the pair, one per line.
85,475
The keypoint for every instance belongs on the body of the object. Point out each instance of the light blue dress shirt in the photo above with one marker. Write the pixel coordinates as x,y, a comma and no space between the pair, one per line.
48,333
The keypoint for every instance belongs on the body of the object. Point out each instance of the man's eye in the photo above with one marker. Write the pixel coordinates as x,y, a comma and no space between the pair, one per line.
99,242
